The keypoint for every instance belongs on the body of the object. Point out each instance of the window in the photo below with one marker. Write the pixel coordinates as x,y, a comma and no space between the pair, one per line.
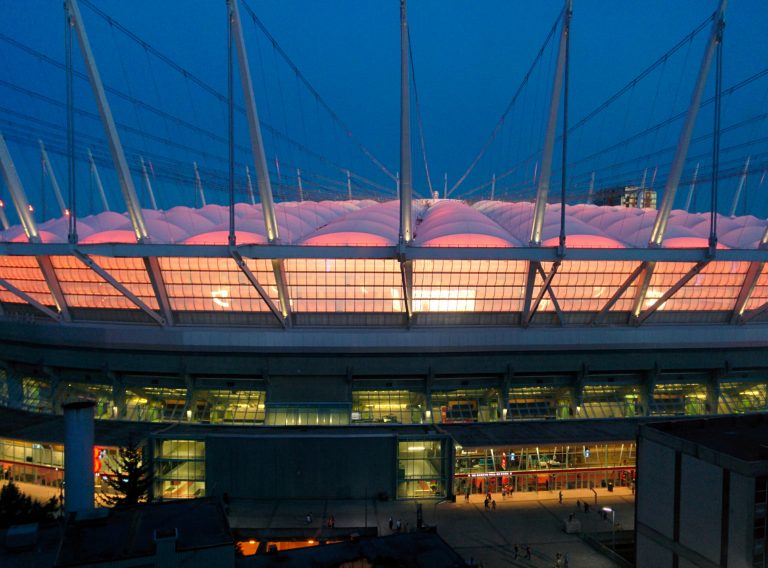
179,469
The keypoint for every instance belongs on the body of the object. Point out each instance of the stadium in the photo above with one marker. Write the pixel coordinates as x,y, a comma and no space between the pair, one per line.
351,348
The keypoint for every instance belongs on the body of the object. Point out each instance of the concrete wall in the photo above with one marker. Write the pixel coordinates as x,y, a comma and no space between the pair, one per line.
316,467
656,487
650,553
701,505
741,512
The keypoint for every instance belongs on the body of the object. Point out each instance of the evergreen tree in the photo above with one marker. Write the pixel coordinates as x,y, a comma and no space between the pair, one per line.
17,508
131,478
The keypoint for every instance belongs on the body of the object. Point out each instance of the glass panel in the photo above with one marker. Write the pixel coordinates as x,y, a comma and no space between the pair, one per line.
179,469
609,401
229,406
155,404
421,470
209,284
315,414
543,468
738,397
679,399
539,402
345,285
24,273
468,285
465,405
386,406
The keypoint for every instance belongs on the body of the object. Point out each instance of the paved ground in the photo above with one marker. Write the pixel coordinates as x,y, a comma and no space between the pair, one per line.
487,537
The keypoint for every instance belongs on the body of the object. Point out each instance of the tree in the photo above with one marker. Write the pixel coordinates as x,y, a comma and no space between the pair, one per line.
130,479
17,508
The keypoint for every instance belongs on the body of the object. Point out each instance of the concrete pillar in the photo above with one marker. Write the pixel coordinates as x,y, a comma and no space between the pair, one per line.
119,408
646,392
78,456
713,391
15,390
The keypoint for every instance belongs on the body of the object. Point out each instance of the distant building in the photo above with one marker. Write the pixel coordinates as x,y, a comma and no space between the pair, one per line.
701,493
627,196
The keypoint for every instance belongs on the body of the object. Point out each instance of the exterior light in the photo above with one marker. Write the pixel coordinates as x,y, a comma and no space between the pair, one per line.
189,415
416,448
428,414
504,413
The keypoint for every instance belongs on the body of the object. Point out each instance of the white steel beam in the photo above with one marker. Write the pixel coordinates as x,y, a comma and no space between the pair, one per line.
199,184
548,285
113,139
97,179
406,273
754,313
18,195
249,185
24,211
152,266
406,175
254,127
3,217
672,291
148,184
618,294
745,292
676,169
692,188
259,156
30,300
48,168
259,288
740,187
645,281
549,138
545,288
90,263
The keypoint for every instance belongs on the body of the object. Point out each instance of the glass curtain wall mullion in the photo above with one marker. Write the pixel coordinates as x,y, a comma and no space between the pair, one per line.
737,397
388,406
465,405
179,469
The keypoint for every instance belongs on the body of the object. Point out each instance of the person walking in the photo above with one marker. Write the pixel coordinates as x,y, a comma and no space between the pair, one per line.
517,552
391,524
527,552
560,497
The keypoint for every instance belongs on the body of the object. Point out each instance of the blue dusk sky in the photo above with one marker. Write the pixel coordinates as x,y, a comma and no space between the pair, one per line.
469,60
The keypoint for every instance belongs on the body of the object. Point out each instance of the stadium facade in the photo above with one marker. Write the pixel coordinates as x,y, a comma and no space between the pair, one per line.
467,325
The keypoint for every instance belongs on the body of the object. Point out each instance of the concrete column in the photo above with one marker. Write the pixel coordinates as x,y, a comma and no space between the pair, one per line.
78,456
119,407
713,391
646,392
15,389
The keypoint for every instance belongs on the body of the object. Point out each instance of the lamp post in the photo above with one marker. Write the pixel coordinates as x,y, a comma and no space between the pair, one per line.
613,525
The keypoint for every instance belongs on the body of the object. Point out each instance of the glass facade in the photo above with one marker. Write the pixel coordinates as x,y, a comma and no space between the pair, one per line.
465,405
179,469
673,399
544,468
388,406
169,400
218,406
422,468
540,402
609,401
314,414
740,397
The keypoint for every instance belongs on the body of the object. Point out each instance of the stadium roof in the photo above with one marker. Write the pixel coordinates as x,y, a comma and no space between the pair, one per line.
439,223
343,257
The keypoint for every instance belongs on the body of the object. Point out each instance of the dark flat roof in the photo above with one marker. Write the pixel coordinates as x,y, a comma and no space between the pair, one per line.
409,550
49,428
129,533
742,437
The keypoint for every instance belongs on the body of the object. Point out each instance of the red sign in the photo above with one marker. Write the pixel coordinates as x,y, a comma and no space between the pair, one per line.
96,460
